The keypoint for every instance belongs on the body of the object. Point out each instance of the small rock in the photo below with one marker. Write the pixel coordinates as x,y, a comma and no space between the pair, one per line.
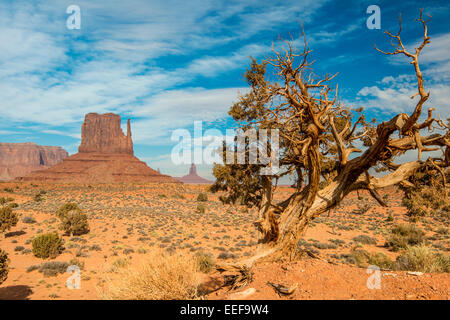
415,273
390,274
242,294
282,289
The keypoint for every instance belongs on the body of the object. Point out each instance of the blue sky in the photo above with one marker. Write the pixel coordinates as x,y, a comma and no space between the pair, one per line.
166,64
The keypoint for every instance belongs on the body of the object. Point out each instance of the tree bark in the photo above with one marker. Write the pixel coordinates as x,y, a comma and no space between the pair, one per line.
291,223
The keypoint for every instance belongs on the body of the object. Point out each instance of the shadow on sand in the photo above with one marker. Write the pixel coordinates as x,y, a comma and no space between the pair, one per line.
14,234
15,292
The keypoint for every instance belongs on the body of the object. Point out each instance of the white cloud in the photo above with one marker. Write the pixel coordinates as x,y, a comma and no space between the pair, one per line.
437,50
327,37
393,93
52,76
397,98
10,132
174,109
76,135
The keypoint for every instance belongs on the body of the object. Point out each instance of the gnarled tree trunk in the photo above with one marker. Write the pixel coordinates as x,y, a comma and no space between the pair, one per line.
299,107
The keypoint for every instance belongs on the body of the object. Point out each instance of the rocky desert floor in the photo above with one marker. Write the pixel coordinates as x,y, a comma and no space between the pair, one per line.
128,221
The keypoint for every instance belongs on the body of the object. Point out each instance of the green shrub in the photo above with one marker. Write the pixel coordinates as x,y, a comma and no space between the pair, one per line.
405,235
62,211
422,258
48,245
8,218
202,197
4,269
73,220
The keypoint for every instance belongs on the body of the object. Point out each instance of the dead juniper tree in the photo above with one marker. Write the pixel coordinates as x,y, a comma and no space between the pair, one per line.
318,135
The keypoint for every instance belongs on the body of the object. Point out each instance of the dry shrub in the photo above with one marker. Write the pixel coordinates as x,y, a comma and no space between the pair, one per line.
365,239
205,262
162,276
427,197
363,259
403,236
422,258
4,269
201,208
53,268
202,197
238,275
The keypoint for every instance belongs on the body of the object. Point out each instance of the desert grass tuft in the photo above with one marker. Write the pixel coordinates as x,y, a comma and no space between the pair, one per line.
424,259
162,276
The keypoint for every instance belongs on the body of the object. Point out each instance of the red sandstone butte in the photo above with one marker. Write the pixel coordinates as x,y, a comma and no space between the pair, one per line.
18,159
103,134
193,177
105,155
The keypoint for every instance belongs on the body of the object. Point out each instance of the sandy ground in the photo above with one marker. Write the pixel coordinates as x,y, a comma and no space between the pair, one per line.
318,280
129,220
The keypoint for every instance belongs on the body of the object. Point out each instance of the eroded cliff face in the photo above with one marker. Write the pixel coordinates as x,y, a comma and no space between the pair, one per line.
102,133
105,155
18,159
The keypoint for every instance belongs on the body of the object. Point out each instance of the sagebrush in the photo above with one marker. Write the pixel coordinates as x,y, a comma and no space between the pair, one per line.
73,220
48,245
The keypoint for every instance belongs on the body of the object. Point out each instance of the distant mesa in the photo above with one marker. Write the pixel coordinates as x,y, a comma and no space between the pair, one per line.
193,177
19,159
105,155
